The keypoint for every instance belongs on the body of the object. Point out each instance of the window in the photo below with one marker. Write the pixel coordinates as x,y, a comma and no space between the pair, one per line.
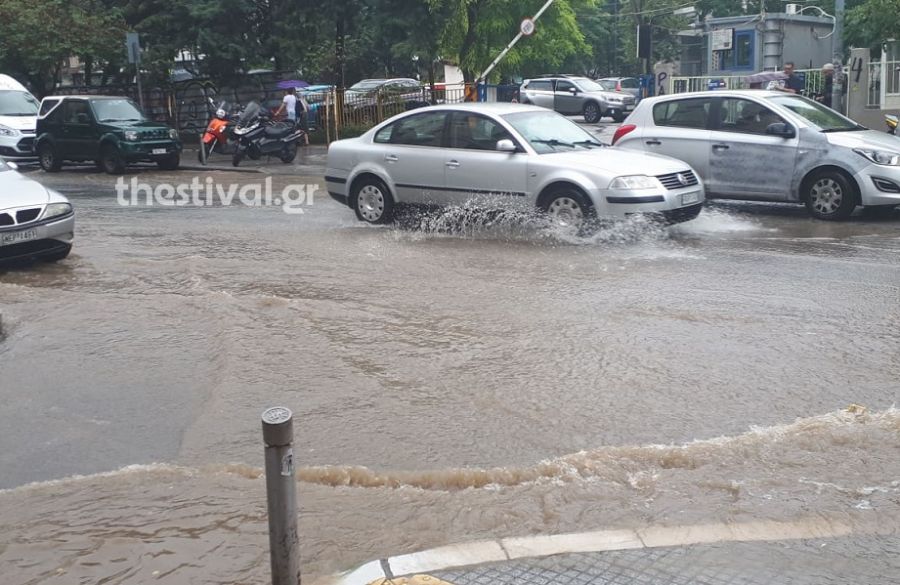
77,112
419,130
740,57
475,132
564,86
690,113
540,85
630,83
745,116
47,106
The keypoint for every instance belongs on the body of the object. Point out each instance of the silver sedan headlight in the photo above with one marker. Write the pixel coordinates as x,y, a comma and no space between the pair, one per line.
7,131
56,210
879,157
635,182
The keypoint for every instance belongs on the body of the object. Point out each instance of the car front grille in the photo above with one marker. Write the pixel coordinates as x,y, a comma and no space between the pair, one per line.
155,134
19,217
678,180
26,215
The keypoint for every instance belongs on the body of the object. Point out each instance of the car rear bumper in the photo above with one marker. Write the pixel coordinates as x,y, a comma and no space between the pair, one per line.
43,239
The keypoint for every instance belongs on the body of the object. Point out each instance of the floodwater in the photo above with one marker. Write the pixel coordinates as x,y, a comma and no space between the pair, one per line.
450,381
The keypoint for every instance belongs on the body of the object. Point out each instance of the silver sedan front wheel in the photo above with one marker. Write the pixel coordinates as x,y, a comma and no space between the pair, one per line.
829,195
568,211
373,202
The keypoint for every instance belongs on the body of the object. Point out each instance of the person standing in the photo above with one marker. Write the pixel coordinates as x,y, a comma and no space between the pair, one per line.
289,105
828,84
793,83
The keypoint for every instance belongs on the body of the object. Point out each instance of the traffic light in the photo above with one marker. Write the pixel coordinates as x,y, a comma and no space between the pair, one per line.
644,50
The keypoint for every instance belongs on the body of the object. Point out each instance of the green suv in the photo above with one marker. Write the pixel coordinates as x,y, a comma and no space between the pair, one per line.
111,131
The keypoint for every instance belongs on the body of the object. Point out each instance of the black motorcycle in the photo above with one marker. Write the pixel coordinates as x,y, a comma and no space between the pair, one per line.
257,135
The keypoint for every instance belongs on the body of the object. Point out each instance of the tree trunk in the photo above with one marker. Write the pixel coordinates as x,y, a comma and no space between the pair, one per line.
469,42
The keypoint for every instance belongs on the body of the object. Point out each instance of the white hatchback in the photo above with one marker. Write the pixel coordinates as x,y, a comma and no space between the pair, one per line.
770,146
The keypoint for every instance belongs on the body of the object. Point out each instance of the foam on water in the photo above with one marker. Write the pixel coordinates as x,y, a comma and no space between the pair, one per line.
717,221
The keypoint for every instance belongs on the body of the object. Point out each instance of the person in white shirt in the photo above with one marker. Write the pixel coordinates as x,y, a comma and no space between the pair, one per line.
289,105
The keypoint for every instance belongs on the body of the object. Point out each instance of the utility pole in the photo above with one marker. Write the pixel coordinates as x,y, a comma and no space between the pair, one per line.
837,91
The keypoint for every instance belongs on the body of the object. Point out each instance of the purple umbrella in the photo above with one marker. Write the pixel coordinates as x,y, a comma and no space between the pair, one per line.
295,83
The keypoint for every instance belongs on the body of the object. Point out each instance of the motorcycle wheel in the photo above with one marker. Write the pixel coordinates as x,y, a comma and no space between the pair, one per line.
289,153
237,158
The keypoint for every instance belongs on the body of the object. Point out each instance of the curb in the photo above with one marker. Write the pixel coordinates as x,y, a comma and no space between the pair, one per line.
515,548
218,169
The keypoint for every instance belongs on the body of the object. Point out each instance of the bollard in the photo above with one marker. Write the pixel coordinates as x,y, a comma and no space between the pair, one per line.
281,493
202,150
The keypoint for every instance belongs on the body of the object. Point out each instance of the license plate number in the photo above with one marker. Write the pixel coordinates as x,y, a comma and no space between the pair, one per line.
159,151
16,237
688,198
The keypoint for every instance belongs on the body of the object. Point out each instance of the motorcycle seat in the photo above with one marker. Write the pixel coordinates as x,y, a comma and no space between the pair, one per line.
278,130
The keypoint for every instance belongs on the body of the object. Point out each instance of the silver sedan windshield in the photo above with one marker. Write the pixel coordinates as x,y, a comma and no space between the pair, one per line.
549,132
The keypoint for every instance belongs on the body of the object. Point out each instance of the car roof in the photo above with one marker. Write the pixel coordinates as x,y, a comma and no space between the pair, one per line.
758,93
495,108
86,97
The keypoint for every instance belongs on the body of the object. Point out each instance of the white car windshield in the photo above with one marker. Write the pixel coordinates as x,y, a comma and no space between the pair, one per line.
549,132
117,111
822,117
18,103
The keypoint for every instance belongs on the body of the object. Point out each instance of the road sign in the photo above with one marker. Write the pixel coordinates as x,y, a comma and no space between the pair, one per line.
527,27
133,44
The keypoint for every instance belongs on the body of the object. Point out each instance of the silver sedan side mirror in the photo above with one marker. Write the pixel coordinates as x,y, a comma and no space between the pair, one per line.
506,145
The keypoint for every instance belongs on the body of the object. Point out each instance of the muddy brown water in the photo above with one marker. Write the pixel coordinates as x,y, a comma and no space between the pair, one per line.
500,380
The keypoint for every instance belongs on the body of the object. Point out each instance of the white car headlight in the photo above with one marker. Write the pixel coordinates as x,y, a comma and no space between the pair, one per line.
633,182
7,131
131,135
880,157
56,209
173,134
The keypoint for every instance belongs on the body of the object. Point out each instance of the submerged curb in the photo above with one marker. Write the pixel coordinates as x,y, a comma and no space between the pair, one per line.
510,549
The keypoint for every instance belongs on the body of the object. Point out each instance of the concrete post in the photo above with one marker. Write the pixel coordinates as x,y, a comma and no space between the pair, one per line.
858,84
281,494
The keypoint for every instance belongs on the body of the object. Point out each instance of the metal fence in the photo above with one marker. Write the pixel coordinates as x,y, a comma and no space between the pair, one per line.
679,84
873,97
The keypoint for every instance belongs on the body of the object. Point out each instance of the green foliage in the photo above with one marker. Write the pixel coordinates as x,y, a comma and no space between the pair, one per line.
871,23
38,36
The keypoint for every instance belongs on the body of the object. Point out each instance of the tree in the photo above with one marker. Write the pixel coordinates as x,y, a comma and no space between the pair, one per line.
79,29
872,22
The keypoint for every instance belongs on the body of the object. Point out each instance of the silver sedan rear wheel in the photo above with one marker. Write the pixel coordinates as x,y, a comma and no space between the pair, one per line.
373,202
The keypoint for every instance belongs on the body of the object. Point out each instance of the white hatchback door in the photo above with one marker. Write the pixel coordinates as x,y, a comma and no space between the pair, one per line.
745,161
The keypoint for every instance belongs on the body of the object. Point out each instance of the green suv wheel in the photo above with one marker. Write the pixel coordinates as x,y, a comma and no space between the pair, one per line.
111,160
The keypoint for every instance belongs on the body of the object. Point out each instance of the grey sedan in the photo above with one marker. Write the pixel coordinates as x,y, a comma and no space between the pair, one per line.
508,154
35,222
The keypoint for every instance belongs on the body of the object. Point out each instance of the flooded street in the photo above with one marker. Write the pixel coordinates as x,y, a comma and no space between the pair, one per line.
447,384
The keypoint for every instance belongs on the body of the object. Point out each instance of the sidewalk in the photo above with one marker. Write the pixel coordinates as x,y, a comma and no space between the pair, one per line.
310,161
807,552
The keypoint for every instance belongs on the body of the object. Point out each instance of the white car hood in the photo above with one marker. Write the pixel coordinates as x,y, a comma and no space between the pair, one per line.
616,162
20,123
18,191
865,139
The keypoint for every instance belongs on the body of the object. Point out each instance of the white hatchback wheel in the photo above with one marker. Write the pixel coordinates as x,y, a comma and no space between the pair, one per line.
826,196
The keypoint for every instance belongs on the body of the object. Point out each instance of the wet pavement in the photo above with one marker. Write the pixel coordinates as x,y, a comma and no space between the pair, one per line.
452,380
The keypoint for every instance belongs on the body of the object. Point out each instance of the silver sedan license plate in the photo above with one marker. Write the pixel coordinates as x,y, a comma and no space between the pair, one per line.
688,198
17,237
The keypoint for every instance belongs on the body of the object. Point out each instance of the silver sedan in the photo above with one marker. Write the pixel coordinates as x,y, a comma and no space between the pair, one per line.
506,154
35,222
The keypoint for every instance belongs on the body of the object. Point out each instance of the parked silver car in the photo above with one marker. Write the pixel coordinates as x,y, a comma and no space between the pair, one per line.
629,85
509,153
770,146
35,222
577,95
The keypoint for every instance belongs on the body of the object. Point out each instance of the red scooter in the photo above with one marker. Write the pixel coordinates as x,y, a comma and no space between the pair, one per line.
218,135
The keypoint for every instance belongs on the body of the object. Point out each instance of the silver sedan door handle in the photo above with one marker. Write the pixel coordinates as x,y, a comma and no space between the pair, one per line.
453,164
391,158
